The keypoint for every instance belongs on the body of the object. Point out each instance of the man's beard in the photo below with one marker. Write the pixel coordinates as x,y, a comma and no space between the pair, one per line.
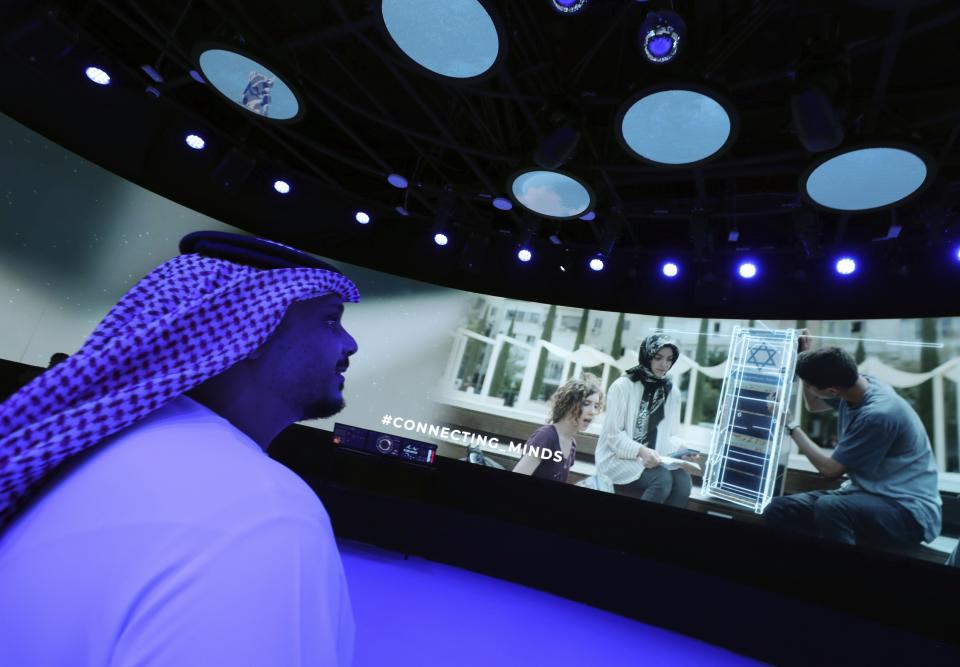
324,408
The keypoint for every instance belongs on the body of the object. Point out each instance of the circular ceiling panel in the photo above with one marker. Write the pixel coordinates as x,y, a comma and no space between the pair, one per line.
453,38
551,194
249,84
866,178
676,127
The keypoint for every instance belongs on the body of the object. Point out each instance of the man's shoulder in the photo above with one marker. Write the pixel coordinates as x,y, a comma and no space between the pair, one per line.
195,456
884,403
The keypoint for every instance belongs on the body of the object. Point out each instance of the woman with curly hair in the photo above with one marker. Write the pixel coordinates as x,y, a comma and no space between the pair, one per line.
551,450
643,414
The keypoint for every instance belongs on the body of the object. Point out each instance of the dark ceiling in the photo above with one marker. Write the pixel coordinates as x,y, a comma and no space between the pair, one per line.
370,112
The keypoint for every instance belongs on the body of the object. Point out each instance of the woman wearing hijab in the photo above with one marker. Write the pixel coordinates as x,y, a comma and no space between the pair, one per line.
643,413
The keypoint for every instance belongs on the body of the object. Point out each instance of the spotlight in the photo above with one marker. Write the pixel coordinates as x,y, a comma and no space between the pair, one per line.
845,266
596,262
588,216
524,254
747,270
568,6
195,141
151,71
281,186
402,211
956,253
502,203
362,217
670,270
440,239
97,75
662,35
397,181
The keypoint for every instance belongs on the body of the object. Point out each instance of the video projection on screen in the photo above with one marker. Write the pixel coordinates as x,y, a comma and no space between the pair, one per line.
686,412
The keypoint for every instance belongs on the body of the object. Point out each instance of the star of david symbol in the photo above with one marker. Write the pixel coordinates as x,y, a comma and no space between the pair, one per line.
757,356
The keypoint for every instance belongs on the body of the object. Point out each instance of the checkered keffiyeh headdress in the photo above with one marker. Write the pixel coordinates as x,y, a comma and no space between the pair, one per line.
188,320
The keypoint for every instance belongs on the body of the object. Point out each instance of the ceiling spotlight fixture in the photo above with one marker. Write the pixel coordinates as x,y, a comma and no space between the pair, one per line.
845,266
397,181
249,84
402,211
440,239
677,125
662,35
956,253
524,254
97,75
552,194
867,178
568,6
195,141
588,216
747,270
596,262
455,39
670,270
362,217
152,72
281,186
502,203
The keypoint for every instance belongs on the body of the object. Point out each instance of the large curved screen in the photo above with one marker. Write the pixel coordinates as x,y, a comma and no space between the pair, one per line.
700,413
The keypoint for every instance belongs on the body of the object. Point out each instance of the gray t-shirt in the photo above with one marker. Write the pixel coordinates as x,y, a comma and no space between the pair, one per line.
886,450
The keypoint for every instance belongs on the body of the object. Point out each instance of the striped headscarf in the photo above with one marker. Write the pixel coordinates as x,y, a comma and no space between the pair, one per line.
188,320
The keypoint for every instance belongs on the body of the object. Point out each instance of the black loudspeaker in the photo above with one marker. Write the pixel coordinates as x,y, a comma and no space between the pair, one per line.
816,120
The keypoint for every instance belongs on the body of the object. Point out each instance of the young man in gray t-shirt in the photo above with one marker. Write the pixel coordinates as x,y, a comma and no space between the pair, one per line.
891,496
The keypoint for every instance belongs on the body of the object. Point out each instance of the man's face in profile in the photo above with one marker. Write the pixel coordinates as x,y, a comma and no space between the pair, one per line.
310,350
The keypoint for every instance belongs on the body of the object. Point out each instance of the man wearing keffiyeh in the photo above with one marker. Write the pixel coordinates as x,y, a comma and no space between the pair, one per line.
142,521
643,411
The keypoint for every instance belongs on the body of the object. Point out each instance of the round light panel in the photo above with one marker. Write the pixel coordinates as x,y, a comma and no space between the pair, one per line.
551,194
676,127
866,178
453,38
249,84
